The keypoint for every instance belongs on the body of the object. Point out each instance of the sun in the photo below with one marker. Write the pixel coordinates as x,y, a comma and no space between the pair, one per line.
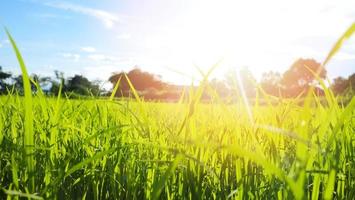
208,31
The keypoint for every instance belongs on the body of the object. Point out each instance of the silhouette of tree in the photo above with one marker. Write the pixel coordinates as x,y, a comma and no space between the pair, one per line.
81,85
351,80
142,81
345,87
18,82
42,81
3,77
56,82
339,85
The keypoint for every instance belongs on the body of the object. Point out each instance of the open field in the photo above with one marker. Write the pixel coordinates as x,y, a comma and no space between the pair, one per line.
102,149
61,148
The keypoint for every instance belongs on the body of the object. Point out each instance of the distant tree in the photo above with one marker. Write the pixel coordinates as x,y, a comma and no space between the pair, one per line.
142,81
339,85
299,74
81,85
18,82
244,81
351,80
248,82
344,87
220,87
299,77
42,81
3,77
271,82
58,81
230,78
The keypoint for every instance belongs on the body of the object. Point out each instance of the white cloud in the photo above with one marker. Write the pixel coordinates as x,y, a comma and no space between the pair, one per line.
99,72
45,70
4,42
88,49
102,58
97,57
107,18
344,56
72,56
123,36
50,16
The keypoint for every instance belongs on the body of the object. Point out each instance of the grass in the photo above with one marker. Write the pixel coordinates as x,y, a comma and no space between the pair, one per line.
58,148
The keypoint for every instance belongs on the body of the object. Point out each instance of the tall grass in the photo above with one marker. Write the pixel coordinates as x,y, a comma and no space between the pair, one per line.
59,148
28,121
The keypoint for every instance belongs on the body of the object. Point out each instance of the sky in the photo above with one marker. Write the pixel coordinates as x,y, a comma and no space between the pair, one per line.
95,38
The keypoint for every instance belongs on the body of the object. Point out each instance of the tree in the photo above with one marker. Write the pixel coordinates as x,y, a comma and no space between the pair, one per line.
299,77
299,74
57,82
240,80
339,85
142,81
271,82
248,82
351,80
220,87
344,87
3,77
18,82
43,82
81,85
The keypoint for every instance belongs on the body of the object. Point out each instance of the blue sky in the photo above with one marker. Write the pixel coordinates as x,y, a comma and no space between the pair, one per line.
95,38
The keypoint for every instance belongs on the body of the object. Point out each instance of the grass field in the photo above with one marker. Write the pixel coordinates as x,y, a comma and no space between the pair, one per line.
109,149
103,149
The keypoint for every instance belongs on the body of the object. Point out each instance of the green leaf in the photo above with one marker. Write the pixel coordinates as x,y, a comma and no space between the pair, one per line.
115,89
87,161
29,136
133,89
348,33
158,186
328,194
21,194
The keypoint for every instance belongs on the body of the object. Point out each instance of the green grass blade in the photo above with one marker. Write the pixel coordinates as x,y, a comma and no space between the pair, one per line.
115,89
135,93
158,186
14,171
315,187
348,33
1,130
328,194
29,135
21,194
87,161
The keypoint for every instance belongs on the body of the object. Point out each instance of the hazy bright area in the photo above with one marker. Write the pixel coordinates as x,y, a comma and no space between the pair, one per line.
96,38
177,99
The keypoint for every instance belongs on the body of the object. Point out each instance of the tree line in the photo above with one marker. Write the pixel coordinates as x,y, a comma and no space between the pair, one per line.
75,85
302,75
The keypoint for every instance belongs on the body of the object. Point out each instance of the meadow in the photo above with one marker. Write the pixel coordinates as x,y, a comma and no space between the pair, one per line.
61,148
